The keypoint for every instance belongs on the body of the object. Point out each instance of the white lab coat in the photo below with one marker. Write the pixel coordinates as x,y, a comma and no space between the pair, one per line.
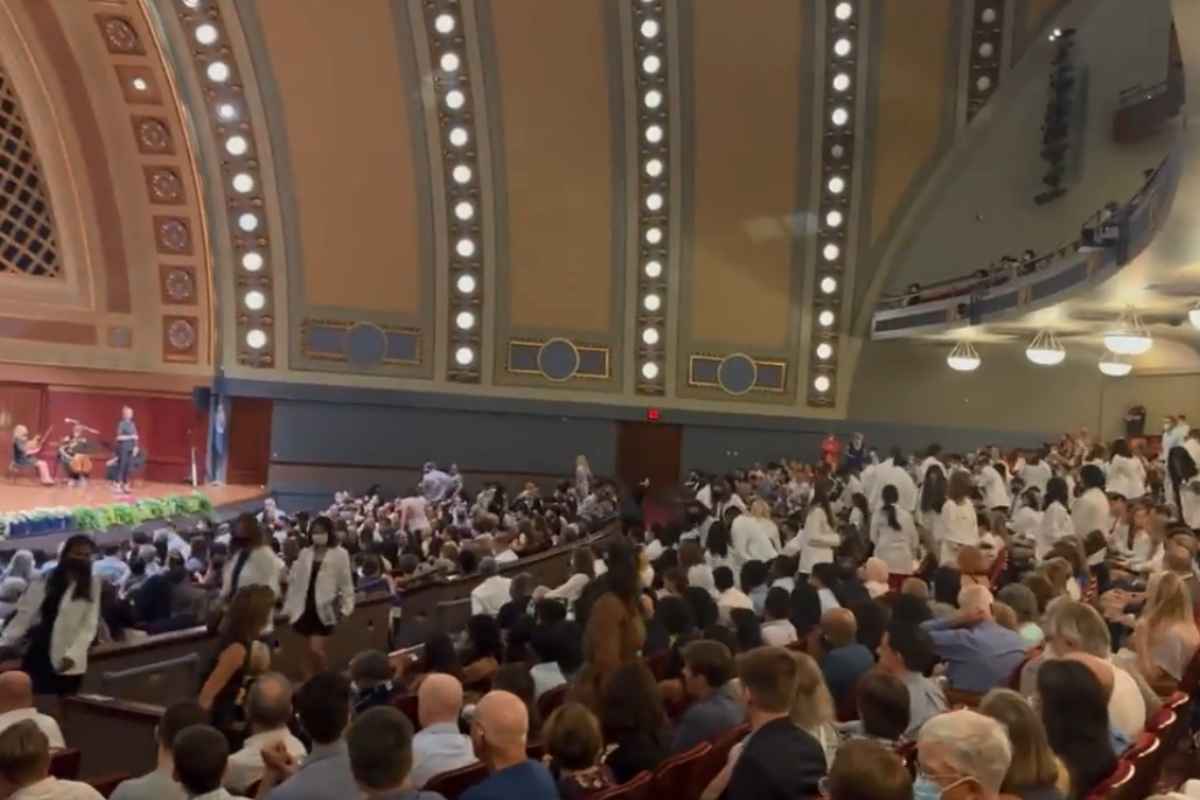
954,528
895,475
1127,477
897,548
817,540
334,592
1055,524
74,627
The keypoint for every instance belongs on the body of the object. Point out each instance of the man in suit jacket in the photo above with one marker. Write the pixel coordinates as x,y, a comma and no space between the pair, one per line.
779,761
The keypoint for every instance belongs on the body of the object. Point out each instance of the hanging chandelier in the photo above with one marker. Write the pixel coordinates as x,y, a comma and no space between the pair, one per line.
1129,337
963,358
1045,350
1114,366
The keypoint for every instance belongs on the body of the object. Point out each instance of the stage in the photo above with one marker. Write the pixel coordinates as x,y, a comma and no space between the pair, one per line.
227,502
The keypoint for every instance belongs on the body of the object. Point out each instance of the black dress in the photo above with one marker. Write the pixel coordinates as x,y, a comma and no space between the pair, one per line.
310,623
229,706
36,662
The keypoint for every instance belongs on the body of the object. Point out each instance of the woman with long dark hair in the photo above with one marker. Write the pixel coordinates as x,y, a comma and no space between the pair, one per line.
894,534
251,562
615,630
1182,491
1056,523
820,536
320,592
1074,711
58,616
933,495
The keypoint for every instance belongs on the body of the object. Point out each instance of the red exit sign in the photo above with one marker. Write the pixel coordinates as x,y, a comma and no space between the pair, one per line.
652,414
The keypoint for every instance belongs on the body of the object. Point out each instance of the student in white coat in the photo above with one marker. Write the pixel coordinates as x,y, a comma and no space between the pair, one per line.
749,539
894,534
1090,512
320,592
957,526
58,616
251,562
993,485
820,536
892,472
1056,523
1126,472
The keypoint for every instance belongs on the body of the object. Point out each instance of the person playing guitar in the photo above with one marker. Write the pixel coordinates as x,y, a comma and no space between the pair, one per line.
25,453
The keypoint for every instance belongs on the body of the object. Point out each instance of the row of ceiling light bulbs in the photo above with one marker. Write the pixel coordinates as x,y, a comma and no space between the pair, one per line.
219,73
650,30
1129,337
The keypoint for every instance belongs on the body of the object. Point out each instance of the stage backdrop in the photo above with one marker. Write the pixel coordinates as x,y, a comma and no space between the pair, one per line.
168,424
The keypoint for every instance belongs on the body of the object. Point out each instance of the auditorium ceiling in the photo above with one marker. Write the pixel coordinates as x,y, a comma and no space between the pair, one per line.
685,203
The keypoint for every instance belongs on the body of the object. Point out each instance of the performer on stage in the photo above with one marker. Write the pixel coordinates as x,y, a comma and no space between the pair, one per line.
25,454
73,456
320,592
127,449
59,615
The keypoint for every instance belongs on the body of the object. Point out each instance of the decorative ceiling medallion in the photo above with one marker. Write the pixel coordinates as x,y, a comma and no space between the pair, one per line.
139,86
172,235
165,185
181,334
178,285
120,37
153,136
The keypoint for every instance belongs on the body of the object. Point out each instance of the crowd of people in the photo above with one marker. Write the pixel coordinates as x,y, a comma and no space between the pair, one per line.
836,612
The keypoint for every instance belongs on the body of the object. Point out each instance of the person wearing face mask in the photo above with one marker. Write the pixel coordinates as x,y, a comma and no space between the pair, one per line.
961,755
320,592
58,616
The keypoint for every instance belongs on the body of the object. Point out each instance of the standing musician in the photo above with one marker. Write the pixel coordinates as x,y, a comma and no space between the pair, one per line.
72,454
127,449
25,453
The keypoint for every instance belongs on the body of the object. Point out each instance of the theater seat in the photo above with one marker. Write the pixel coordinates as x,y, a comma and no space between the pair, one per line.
407,704
451,784
957,697
1117,786
637,789
64,765
714,760
680,776
552,699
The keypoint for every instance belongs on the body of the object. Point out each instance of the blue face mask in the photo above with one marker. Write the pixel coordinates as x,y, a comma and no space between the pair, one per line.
925,789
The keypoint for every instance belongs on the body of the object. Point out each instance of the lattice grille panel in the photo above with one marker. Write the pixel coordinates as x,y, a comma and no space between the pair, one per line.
28,245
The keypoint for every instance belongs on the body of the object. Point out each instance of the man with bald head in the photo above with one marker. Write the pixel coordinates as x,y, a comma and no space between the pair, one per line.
979,654
499,730
16,705
268,711
439,746
845,660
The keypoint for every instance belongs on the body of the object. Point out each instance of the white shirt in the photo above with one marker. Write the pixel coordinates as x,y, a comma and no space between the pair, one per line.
47,724
506,556
654,550
246,765
491,595
1025,522
816,541
730,599
54,789
1126,707
571,590
1189,505
749,541
954,528
334,590
1090,513
1055,525
994,488
778,633
1127,477
1037,475
897,548
889,473
701,575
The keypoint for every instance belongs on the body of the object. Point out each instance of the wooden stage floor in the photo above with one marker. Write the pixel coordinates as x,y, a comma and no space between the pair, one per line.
24,496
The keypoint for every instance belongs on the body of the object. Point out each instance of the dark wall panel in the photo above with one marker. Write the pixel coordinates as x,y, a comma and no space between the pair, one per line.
382,436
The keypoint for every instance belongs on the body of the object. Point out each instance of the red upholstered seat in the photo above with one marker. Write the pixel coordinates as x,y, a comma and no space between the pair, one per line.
998,568
847,710
1116,786
451,784
552,699
637,789
660,665
714,760
64,765
681,775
